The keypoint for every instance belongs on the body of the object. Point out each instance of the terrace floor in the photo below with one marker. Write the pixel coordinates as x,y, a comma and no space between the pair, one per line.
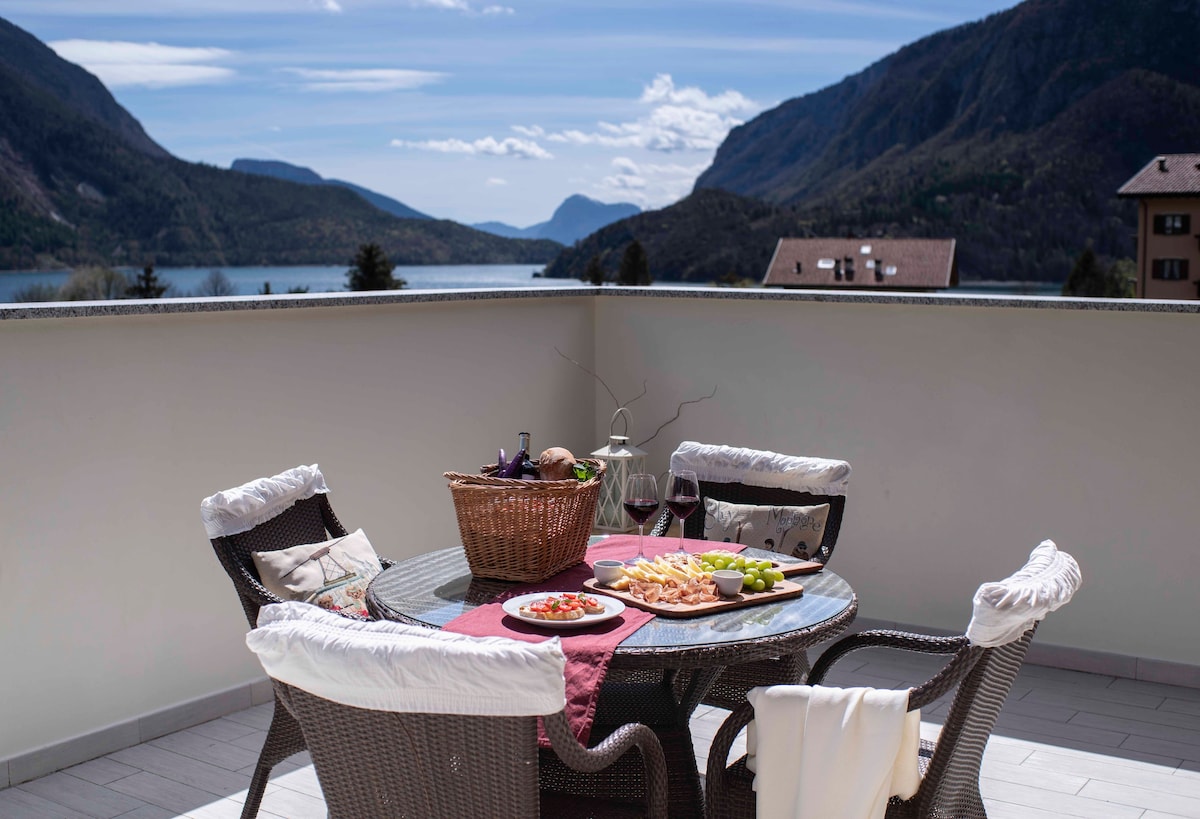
1067,744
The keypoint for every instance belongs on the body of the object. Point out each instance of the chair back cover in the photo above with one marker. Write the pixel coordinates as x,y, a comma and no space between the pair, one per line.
240,509
730,464
1004,610
385,666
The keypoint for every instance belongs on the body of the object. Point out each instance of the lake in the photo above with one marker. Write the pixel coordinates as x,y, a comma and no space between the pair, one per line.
248,281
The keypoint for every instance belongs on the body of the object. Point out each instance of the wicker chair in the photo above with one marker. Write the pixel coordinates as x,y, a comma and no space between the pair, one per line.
286,510
718,468
949,766
401,743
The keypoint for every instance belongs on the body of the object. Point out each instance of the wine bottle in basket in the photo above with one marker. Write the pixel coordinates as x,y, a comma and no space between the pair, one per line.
529,467
514,467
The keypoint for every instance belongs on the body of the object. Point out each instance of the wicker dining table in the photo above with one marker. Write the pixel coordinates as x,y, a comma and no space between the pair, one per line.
432,589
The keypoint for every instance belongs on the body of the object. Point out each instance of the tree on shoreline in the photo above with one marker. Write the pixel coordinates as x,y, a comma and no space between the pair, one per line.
146,285
372,270
635,267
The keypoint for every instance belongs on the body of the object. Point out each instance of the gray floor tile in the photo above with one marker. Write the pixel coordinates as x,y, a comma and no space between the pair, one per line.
78,794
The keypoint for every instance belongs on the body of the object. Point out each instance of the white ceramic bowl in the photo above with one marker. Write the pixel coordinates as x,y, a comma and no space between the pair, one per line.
608,571
729,582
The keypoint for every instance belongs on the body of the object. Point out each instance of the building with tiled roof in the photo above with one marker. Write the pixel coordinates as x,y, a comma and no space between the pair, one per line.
863,264
1168,245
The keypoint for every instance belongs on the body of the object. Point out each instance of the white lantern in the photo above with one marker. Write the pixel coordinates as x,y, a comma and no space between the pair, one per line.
623,460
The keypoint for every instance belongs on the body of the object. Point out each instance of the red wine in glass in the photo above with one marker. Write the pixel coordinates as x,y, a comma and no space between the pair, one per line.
682,497
641,509
681,506
640,502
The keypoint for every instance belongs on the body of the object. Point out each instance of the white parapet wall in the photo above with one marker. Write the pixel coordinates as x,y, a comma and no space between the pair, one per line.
975,427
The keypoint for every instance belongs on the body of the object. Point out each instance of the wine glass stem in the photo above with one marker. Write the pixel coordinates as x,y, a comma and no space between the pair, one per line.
641,541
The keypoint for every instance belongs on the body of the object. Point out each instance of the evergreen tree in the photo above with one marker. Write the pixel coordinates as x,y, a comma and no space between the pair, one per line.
146,285
1090,280
594,273
1086,278
635,267
372,270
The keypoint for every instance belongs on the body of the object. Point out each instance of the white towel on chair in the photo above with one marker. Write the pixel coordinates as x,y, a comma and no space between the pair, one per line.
831,753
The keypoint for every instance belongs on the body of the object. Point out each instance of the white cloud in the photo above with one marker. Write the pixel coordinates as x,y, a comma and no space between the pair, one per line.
534,131
118,63
499,10
681,119
364,79
649,184
453,5
488,146
332,6
495,182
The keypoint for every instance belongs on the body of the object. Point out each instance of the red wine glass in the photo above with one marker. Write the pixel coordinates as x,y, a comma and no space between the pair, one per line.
640,502
682,498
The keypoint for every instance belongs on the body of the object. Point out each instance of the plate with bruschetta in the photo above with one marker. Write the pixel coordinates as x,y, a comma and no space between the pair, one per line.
563,609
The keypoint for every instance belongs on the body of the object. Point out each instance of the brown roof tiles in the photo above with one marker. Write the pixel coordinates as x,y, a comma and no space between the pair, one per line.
1166,175
892,264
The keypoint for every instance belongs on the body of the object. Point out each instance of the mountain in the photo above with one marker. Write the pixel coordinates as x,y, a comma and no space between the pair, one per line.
306,176
81,183
1010,134
575,218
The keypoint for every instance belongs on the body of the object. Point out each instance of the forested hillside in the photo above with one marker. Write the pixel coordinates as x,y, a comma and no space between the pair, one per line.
1010,135
81,183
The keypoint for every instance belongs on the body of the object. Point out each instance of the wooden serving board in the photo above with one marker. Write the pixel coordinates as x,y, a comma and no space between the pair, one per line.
780,591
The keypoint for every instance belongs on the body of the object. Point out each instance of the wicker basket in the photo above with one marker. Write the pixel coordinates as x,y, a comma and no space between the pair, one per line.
524,530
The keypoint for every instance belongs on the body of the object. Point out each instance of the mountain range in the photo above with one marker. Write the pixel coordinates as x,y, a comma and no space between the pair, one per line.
306,176
1010,134
575,218
82,183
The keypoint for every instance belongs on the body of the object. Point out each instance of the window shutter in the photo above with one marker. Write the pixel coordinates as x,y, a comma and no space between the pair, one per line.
1160,224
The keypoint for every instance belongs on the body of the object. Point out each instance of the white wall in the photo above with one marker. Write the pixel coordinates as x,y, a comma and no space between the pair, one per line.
973,432
114,429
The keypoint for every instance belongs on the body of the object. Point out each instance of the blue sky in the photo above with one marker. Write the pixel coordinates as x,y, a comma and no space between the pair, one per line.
474,110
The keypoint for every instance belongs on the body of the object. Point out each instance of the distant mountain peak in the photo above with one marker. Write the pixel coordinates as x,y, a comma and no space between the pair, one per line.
578,216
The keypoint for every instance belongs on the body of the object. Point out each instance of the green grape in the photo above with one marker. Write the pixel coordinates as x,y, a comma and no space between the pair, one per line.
719,563
707,567
778,575
747,581
755,573
763,565
759,585
767,579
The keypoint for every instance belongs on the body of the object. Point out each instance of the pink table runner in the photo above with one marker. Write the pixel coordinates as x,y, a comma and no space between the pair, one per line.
588,650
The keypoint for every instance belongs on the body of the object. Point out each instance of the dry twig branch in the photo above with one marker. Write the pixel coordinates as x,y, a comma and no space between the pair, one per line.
678,410
645,389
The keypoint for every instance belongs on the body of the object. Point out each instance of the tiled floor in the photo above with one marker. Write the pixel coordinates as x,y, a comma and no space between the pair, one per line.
1068,744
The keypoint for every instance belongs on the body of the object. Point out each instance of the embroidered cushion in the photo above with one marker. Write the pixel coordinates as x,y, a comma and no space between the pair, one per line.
793,530
333,574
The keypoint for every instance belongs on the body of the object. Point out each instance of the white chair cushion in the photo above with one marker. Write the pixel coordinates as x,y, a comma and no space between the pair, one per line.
1006,609
387,666
754,467
242,508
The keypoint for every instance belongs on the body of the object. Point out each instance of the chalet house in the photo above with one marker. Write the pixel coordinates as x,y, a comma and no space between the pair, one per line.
863,264
1168,243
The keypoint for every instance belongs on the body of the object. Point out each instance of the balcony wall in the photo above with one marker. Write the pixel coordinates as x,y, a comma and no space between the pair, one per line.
975,429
